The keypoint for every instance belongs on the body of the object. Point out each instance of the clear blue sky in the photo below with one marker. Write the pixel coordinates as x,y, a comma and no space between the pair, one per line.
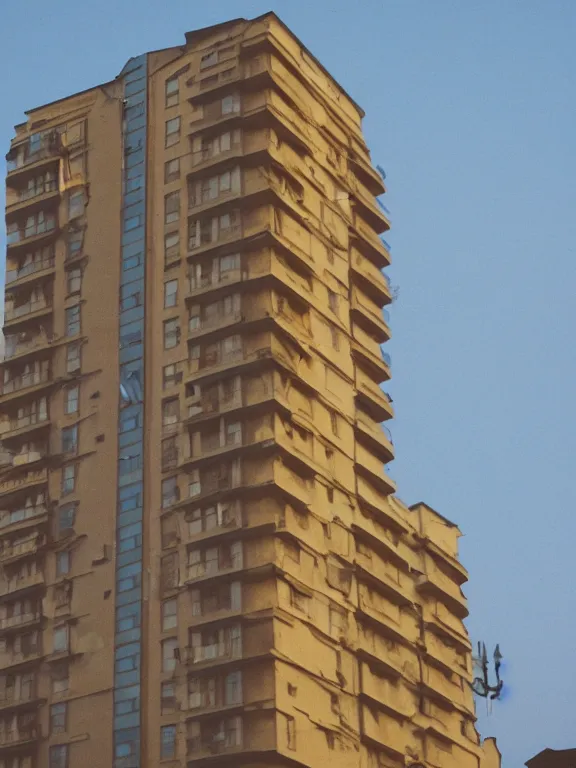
471,108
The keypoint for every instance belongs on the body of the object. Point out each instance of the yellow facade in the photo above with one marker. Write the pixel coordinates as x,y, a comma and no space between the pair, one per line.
267,599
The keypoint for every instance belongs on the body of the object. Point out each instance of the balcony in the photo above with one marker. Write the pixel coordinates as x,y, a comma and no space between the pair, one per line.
372,397
14,519
440,586
376,364
370,278
24,481
217,652
199,326
370,317
39,267
25,423
377,437
372,211
38,150
37,227
22,344
35,307
369,244
12,551
34,196
11,658
25,381
14,738
20,621
21,583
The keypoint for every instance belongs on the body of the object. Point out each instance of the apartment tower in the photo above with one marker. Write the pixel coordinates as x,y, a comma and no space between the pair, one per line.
202,559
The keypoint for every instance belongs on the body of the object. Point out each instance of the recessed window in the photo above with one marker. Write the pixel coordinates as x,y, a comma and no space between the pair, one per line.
71,396
170,492
76,204
172,132
58,717
171,333
170,293
334,422
60,639
171,246
59,756
171,375
60,678
171,207
169,615
230,104
168,697
172,92
74,243
73,358
68,479
168,741
335,338
209,59
333,301
66,517
70,439
168,654
62,563
73,320
74,281
172,170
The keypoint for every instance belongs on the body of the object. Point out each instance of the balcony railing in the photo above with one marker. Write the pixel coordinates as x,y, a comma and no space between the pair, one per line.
29,269
35,305
13,737
43,227
231,649
19,548
16,347
20,515
43,188
386,244
22,618
387,359
24,381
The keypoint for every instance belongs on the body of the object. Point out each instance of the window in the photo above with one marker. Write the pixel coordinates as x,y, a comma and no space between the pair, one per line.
229,263
73,358
172,132
59,756
290,732
169,615
76,204
60,678
230,104
335,338
172,170
172,92
299,600
337,621
171,375
168,654
233,688
62,563
209,59
170,293
68,479
171,207
168,697
73,320
172,246
74,243
60,639
170,413
171,333
333,301
66,517
71,396
58,717
70,439
170,492
234,433
74,281
168,741
334,422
